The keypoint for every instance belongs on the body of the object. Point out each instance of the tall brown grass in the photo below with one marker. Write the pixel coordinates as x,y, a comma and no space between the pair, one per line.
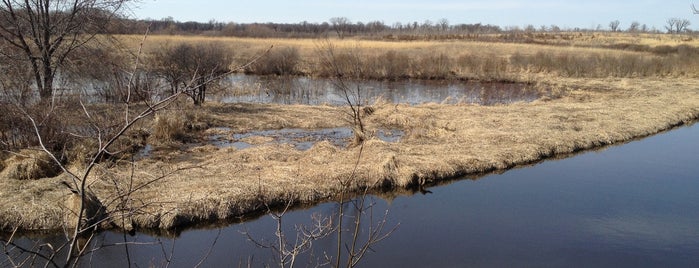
442,141
582,55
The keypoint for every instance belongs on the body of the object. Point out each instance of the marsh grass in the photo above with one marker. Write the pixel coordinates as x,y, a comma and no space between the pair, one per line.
441,142
168,127
576,55
641,97
29,165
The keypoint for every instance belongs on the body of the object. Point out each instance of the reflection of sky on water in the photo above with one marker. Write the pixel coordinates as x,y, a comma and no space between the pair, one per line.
316,91
301,139
646,231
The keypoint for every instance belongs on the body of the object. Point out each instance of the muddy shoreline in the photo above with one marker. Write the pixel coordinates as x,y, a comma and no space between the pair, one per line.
441,143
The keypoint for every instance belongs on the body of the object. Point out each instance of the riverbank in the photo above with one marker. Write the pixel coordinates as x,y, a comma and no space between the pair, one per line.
182,187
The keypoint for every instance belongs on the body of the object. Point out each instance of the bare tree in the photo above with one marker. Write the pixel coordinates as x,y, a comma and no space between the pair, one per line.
670,27
634,27
677,25
44,33
443,24
682,25
614,25
340,25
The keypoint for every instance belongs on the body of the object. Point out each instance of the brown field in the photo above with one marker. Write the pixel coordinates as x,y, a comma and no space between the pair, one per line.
596,55
442,141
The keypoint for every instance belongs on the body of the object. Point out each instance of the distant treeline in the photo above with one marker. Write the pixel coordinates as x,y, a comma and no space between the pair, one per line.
340,27
343,27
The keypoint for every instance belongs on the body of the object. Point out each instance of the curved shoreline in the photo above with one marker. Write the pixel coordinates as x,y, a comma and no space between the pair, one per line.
442,142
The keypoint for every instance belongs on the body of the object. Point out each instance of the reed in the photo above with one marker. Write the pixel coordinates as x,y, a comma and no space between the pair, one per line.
576,55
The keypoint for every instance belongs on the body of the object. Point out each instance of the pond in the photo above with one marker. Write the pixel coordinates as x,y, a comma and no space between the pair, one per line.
318,91
633,205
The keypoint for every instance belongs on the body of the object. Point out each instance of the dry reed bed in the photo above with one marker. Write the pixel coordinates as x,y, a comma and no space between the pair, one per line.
441,142
588,55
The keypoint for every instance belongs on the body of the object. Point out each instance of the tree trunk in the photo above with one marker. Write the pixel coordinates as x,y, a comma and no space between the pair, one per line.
46,90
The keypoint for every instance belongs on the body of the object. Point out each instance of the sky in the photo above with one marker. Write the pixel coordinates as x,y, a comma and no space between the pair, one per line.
505,13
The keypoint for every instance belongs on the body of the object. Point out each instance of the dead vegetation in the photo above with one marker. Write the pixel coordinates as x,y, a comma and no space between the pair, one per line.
574,55
441,142
600,94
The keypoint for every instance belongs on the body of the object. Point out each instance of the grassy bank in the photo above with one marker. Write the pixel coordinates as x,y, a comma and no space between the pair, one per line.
582,55
442,142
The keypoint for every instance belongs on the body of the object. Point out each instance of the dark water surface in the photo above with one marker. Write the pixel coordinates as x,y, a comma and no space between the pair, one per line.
317,91
634,205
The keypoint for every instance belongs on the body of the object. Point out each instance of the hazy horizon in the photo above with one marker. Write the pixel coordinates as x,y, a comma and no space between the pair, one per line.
504,13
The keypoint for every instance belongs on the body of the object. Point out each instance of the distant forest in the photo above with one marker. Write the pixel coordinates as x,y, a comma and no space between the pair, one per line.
343,27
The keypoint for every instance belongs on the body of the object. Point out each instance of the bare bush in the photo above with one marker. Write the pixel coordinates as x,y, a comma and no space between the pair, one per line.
15,82
107,79
192,67
342,67
282,61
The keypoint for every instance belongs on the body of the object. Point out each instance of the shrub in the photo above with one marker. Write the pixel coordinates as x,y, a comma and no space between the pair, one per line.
277,62
192,68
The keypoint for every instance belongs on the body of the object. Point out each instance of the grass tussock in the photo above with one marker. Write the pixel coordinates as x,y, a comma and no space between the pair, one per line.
180,124
29,165
168,127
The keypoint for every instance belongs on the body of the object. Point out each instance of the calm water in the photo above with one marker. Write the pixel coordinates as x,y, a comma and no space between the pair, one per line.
315,91
634,205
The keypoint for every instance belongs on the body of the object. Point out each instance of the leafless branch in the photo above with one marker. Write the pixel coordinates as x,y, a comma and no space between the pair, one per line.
208,252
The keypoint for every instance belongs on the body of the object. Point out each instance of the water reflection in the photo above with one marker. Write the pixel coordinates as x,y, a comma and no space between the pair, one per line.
317,91
301,139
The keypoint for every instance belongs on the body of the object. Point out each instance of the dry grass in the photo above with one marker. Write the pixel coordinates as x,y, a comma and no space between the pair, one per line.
596,55
29,165
442,142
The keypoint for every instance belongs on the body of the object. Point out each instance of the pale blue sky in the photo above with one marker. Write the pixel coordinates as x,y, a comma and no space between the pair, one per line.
564,13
